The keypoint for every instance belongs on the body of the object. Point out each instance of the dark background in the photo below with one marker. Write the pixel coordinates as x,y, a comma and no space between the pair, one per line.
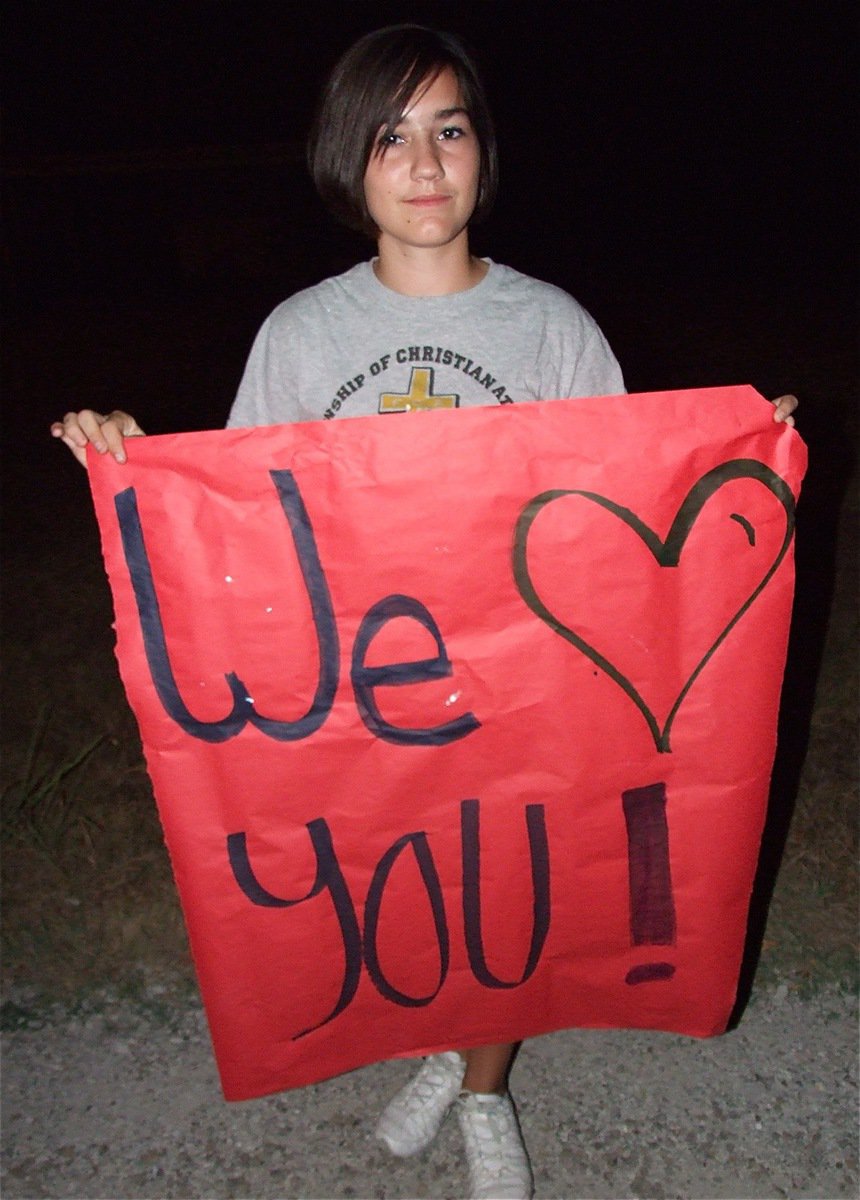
155,149
687,169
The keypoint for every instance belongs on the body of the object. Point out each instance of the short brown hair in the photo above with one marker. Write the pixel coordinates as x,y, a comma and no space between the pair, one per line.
369,89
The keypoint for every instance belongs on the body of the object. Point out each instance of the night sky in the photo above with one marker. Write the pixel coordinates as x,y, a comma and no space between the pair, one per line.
688,132
659,158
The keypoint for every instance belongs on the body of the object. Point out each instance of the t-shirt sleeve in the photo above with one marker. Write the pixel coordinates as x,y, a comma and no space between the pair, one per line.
267,393
597,372
575,357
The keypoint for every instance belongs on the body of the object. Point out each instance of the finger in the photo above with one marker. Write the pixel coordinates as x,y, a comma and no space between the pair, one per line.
784,406
92,425
70,431
112,437
106,433
118,426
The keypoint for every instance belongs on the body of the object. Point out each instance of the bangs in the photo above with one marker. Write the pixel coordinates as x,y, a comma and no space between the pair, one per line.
417,80
392,102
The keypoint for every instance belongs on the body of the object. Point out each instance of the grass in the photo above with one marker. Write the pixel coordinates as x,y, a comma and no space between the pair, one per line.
40,807
88,896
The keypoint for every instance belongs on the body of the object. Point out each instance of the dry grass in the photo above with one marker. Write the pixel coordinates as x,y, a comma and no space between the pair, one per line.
87,890
812,930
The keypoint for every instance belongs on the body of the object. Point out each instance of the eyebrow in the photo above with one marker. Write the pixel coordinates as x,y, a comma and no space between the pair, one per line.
441,114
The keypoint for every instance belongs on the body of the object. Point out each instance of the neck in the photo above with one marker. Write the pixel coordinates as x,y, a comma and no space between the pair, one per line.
428,271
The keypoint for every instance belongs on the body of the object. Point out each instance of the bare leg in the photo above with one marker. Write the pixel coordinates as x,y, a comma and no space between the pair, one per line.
487,1067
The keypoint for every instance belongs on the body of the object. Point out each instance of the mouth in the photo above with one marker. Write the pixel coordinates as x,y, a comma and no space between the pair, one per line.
430,201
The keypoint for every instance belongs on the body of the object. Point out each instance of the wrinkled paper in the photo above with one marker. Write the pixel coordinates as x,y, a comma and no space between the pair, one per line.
460,724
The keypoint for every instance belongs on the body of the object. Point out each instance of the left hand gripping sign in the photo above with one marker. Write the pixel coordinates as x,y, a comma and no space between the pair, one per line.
461,724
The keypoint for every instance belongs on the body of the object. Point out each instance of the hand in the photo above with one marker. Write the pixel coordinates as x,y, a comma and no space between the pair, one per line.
784,406
106,434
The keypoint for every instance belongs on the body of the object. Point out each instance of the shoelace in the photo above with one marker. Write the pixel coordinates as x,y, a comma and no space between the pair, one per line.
427,1083
495,1140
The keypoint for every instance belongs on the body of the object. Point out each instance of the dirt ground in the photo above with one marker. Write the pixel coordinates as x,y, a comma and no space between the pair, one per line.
122,1101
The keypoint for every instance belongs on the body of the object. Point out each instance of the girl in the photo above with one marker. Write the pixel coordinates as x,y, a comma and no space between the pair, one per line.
403,150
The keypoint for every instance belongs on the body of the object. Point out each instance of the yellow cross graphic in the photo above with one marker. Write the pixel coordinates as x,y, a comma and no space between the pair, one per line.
420,394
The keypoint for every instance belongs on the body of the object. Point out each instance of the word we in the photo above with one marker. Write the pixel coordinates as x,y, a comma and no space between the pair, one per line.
364,679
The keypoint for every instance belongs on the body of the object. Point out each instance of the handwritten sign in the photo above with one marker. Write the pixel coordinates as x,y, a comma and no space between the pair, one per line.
460,724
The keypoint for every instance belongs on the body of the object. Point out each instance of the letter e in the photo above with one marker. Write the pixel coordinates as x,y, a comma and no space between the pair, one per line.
365,679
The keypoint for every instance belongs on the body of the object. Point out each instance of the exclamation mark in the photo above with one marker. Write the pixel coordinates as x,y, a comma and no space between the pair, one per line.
652,909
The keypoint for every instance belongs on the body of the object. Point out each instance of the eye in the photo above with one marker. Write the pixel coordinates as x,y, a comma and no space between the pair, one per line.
388,138
451,132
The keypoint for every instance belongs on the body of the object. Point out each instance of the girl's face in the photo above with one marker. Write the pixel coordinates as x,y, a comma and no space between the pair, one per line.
421,183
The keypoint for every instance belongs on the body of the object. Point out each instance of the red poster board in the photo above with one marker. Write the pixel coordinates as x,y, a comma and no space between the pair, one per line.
460,724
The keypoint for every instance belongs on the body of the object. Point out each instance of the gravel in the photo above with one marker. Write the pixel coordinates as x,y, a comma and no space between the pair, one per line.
121,1099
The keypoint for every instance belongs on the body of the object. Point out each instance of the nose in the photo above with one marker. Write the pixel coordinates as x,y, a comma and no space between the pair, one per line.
426,160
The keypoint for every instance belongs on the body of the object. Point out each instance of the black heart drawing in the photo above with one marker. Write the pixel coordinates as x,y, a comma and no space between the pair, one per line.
667,553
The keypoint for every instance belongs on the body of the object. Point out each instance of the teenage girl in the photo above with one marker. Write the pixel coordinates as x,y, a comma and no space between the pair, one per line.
403,150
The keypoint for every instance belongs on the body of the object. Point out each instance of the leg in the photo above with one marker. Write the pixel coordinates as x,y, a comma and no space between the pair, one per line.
496,1154
413,1117
487,1068
497,1158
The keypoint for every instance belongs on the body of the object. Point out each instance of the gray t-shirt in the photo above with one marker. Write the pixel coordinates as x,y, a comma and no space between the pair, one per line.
351,346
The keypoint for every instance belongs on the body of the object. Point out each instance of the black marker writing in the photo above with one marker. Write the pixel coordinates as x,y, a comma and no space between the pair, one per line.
330,880
652,908
364,678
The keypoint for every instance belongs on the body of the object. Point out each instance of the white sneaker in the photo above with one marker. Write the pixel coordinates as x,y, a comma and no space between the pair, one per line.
499,1166
414,1116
